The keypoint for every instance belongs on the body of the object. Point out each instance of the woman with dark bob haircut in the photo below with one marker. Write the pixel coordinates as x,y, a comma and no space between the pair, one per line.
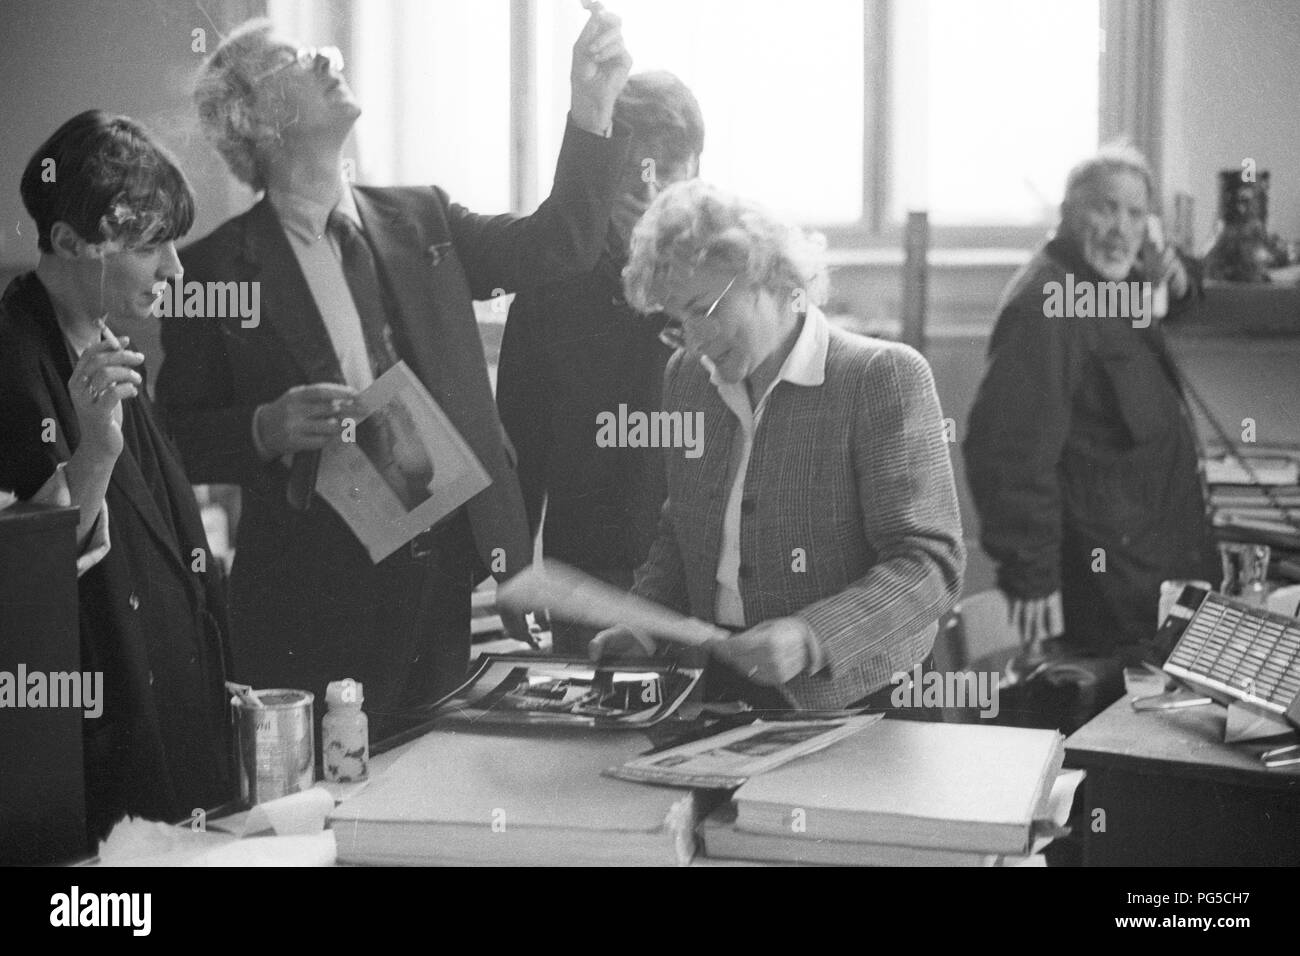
109,204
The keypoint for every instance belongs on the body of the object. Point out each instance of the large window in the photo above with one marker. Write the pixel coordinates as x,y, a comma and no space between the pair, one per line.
993,102
434,83
843,114
780,85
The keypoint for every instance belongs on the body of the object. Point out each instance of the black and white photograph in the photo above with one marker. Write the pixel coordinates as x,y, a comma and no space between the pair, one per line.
902,395
388,437
513,689
397,467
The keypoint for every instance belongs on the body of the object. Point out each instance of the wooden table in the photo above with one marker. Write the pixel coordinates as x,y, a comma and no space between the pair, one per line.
1164,790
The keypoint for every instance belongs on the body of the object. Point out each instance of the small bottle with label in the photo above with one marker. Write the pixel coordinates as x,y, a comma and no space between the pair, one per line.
345,733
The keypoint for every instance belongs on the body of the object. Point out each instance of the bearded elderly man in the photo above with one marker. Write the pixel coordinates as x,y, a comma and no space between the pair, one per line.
575,349
1080,453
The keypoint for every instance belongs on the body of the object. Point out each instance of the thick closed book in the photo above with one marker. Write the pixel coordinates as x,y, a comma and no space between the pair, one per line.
722,840
911,783
519,797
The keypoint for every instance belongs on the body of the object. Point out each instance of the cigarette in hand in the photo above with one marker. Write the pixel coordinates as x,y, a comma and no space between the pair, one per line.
106,333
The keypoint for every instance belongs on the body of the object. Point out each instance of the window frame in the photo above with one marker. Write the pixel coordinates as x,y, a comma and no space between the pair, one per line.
872,230
1129,101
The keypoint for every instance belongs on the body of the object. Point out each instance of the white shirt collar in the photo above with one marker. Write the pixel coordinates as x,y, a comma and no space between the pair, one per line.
805,365
305,218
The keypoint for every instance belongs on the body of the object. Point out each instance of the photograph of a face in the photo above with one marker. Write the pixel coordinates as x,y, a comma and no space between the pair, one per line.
389,438
403,469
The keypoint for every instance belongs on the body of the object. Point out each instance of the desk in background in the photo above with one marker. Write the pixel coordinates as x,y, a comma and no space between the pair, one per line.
1239,347
1175,795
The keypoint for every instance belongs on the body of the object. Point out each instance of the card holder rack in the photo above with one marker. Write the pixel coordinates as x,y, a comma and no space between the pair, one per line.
1242,653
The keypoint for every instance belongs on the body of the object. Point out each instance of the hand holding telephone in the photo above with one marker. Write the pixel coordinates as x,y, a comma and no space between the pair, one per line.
1162,267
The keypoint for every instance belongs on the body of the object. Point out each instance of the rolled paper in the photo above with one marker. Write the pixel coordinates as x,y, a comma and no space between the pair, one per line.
571,595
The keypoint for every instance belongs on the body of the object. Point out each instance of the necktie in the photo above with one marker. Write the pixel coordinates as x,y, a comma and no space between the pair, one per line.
367,292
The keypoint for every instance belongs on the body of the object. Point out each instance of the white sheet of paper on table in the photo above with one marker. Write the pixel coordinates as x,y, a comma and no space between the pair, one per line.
296,814
297,821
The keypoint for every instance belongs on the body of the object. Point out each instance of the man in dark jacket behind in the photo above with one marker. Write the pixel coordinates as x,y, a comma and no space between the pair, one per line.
574,350
1080,452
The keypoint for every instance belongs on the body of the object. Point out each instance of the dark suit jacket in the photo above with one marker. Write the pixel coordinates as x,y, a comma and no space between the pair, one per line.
303,588
849,516
1079,440
150,622
573,349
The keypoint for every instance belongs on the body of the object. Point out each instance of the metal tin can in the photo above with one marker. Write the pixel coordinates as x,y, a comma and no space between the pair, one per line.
276,744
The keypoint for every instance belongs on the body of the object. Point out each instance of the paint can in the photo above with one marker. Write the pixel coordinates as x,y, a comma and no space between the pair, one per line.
275,744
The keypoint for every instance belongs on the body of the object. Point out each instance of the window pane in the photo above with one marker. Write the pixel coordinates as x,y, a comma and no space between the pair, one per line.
993,102
433,80
780,86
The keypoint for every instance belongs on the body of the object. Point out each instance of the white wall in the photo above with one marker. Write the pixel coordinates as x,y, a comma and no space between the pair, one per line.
60,57
1232,91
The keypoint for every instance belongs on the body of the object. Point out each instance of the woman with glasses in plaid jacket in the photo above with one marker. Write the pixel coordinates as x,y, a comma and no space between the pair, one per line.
820,522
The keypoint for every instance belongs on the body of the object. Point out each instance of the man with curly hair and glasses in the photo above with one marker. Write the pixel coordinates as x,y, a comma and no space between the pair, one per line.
354,279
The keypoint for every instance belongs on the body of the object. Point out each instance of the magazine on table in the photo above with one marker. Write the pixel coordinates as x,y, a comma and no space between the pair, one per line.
572,691
727,760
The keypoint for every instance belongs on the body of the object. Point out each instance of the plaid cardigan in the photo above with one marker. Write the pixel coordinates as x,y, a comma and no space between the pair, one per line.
849,515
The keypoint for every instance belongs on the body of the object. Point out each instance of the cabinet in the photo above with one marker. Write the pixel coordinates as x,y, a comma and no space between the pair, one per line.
42,796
